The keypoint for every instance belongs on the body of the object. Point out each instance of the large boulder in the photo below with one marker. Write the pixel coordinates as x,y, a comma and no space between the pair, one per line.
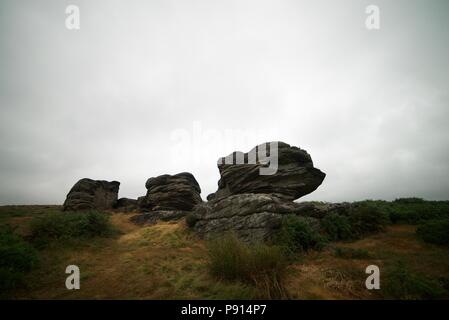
89,194
254,217
292,173
251,217
171,192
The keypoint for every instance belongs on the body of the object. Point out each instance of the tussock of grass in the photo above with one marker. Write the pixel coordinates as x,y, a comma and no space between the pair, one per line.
260,265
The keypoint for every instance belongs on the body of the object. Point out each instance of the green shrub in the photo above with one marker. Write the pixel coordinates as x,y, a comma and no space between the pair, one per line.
16,258
367,219
300,234
435,231
409,210
401,217
337,227
258,264
350,253
70,225
415,210
401,283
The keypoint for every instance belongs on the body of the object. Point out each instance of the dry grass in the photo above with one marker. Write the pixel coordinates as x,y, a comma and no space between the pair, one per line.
162,261
167,261
322,275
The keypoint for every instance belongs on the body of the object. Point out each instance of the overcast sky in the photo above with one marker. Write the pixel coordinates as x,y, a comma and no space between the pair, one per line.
152,87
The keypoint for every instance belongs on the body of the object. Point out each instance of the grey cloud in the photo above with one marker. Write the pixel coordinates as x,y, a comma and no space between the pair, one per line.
104,102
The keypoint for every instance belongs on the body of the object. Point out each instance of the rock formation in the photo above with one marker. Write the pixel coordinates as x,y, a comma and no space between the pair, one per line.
254,217
172,192
251,216
251,204
168,197
255,190
295,175
89,194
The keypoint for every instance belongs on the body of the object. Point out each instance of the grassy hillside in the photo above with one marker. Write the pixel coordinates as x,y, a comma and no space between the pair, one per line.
168,261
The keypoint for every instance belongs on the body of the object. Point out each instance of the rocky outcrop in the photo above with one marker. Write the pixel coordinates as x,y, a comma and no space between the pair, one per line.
89,194
256,189
171,192
292,177
169,197
252,217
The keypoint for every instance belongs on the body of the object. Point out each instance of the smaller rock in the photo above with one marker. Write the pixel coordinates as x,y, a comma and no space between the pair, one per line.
140,201
210,196
171,192
169,197
88,194
126,204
